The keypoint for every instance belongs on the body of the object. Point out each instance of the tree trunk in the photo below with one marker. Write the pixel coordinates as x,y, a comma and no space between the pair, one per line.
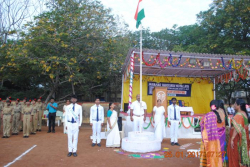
73,88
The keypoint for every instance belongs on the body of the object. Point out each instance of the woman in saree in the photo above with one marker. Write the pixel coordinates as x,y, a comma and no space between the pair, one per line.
238,145
159,121
213,136
113,134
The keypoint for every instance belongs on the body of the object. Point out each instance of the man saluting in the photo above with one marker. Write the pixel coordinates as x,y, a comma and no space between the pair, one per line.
73,120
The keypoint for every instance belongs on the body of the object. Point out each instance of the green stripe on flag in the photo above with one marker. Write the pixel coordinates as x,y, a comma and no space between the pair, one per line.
140,16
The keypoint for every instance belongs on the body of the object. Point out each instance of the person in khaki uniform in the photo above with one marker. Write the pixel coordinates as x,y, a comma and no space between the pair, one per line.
39,106
26,117
7,116
23,104
16,118
34,114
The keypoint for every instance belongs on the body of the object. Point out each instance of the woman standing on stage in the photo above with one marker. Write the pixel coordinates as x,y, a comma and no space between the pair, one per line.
159,120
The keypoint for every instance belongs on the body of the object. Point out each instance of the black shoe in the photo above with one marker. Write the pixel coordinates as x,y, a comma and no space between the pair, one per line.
53,131
93,144
177,144
99,144
49,131
24,136
7,137
69,154
21,130
172,143
32,133
3,137
74,154
39,130
13,134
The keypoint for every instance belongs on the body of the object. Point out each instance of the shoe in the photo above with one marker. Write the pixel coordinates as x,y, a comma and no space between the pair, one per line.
69,154
21,130
13,134
39,130
53,131
48,131
7,136
3,137
74,154
177,144
24,136
27,136
99,144
32,133
172,143
93,144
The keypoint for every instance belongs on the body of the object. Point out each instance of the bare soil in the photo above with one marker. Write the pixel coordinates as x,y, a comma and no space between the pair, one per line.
51,151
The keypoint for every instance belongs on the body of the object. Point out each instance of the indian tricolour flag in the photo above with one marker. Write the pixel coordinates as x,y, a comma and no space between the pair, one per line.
139,14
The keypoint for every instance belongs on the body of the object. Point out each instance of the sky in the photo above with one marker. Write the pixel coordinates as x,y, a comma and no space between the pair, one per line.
159,14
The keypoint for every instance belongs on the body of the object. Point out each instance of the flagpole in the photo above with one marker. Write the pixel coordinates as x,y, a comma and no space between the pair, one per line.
141,64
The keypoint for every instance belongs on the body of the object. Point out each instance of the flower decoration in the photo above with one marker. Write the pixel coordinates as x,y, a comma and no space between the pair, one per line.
213,107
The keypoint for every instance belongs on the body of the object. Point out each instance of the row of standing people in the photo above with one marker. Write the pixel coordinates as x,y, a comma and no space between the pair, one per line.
73,121
224,145
138,113
25,116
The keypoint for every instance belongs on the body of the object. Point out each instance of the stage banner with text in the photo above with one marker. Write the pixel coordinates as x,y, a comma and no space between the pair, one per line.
174,89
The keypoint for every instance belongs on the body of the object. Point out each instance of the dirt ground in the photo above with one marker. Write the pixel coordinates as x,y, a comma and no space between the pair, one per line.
51,151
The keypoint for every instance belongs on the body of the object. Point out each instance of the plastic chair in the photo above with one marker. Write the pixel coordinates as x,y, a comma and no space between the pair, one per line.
59,117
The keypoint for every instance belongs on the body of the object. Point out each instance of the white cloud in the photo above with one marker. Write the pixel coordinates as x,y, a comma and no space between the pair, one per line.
159,14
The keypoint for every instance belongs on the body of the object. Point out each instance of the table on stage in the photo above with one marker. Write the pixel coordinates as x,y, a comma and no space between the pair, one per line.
187,110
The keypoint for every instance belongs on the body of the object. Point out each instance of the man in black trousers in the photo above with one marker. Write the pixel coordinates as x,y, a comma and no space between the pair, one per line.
52,107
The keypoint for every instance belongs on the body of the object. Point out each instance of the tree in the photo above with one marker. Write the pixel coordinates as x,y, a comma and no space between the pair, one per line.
72,43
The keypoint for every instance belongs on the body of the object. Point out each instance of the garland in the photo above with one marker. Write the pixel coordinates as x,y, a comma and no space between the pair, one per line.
171,61
148,124
223,64
146,63
196,126
165,64
167,124
240,62
184,124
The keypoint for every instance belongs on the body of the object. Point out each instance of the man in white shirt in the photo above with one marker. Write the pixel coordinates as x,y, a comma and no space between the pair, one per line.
73,120
230,110
138,113
96,121
174,118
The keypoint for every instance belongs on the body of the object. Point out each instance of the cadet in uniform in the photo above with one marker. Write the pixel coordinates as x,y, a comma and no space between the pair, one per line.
26,117
16,118
7,116
23,104
39,108
33,126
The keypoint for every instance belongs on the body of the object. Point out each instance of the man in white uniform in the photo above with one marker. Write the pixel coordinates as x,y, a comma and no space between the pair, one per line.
96,121
138,113
73,120
174,118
